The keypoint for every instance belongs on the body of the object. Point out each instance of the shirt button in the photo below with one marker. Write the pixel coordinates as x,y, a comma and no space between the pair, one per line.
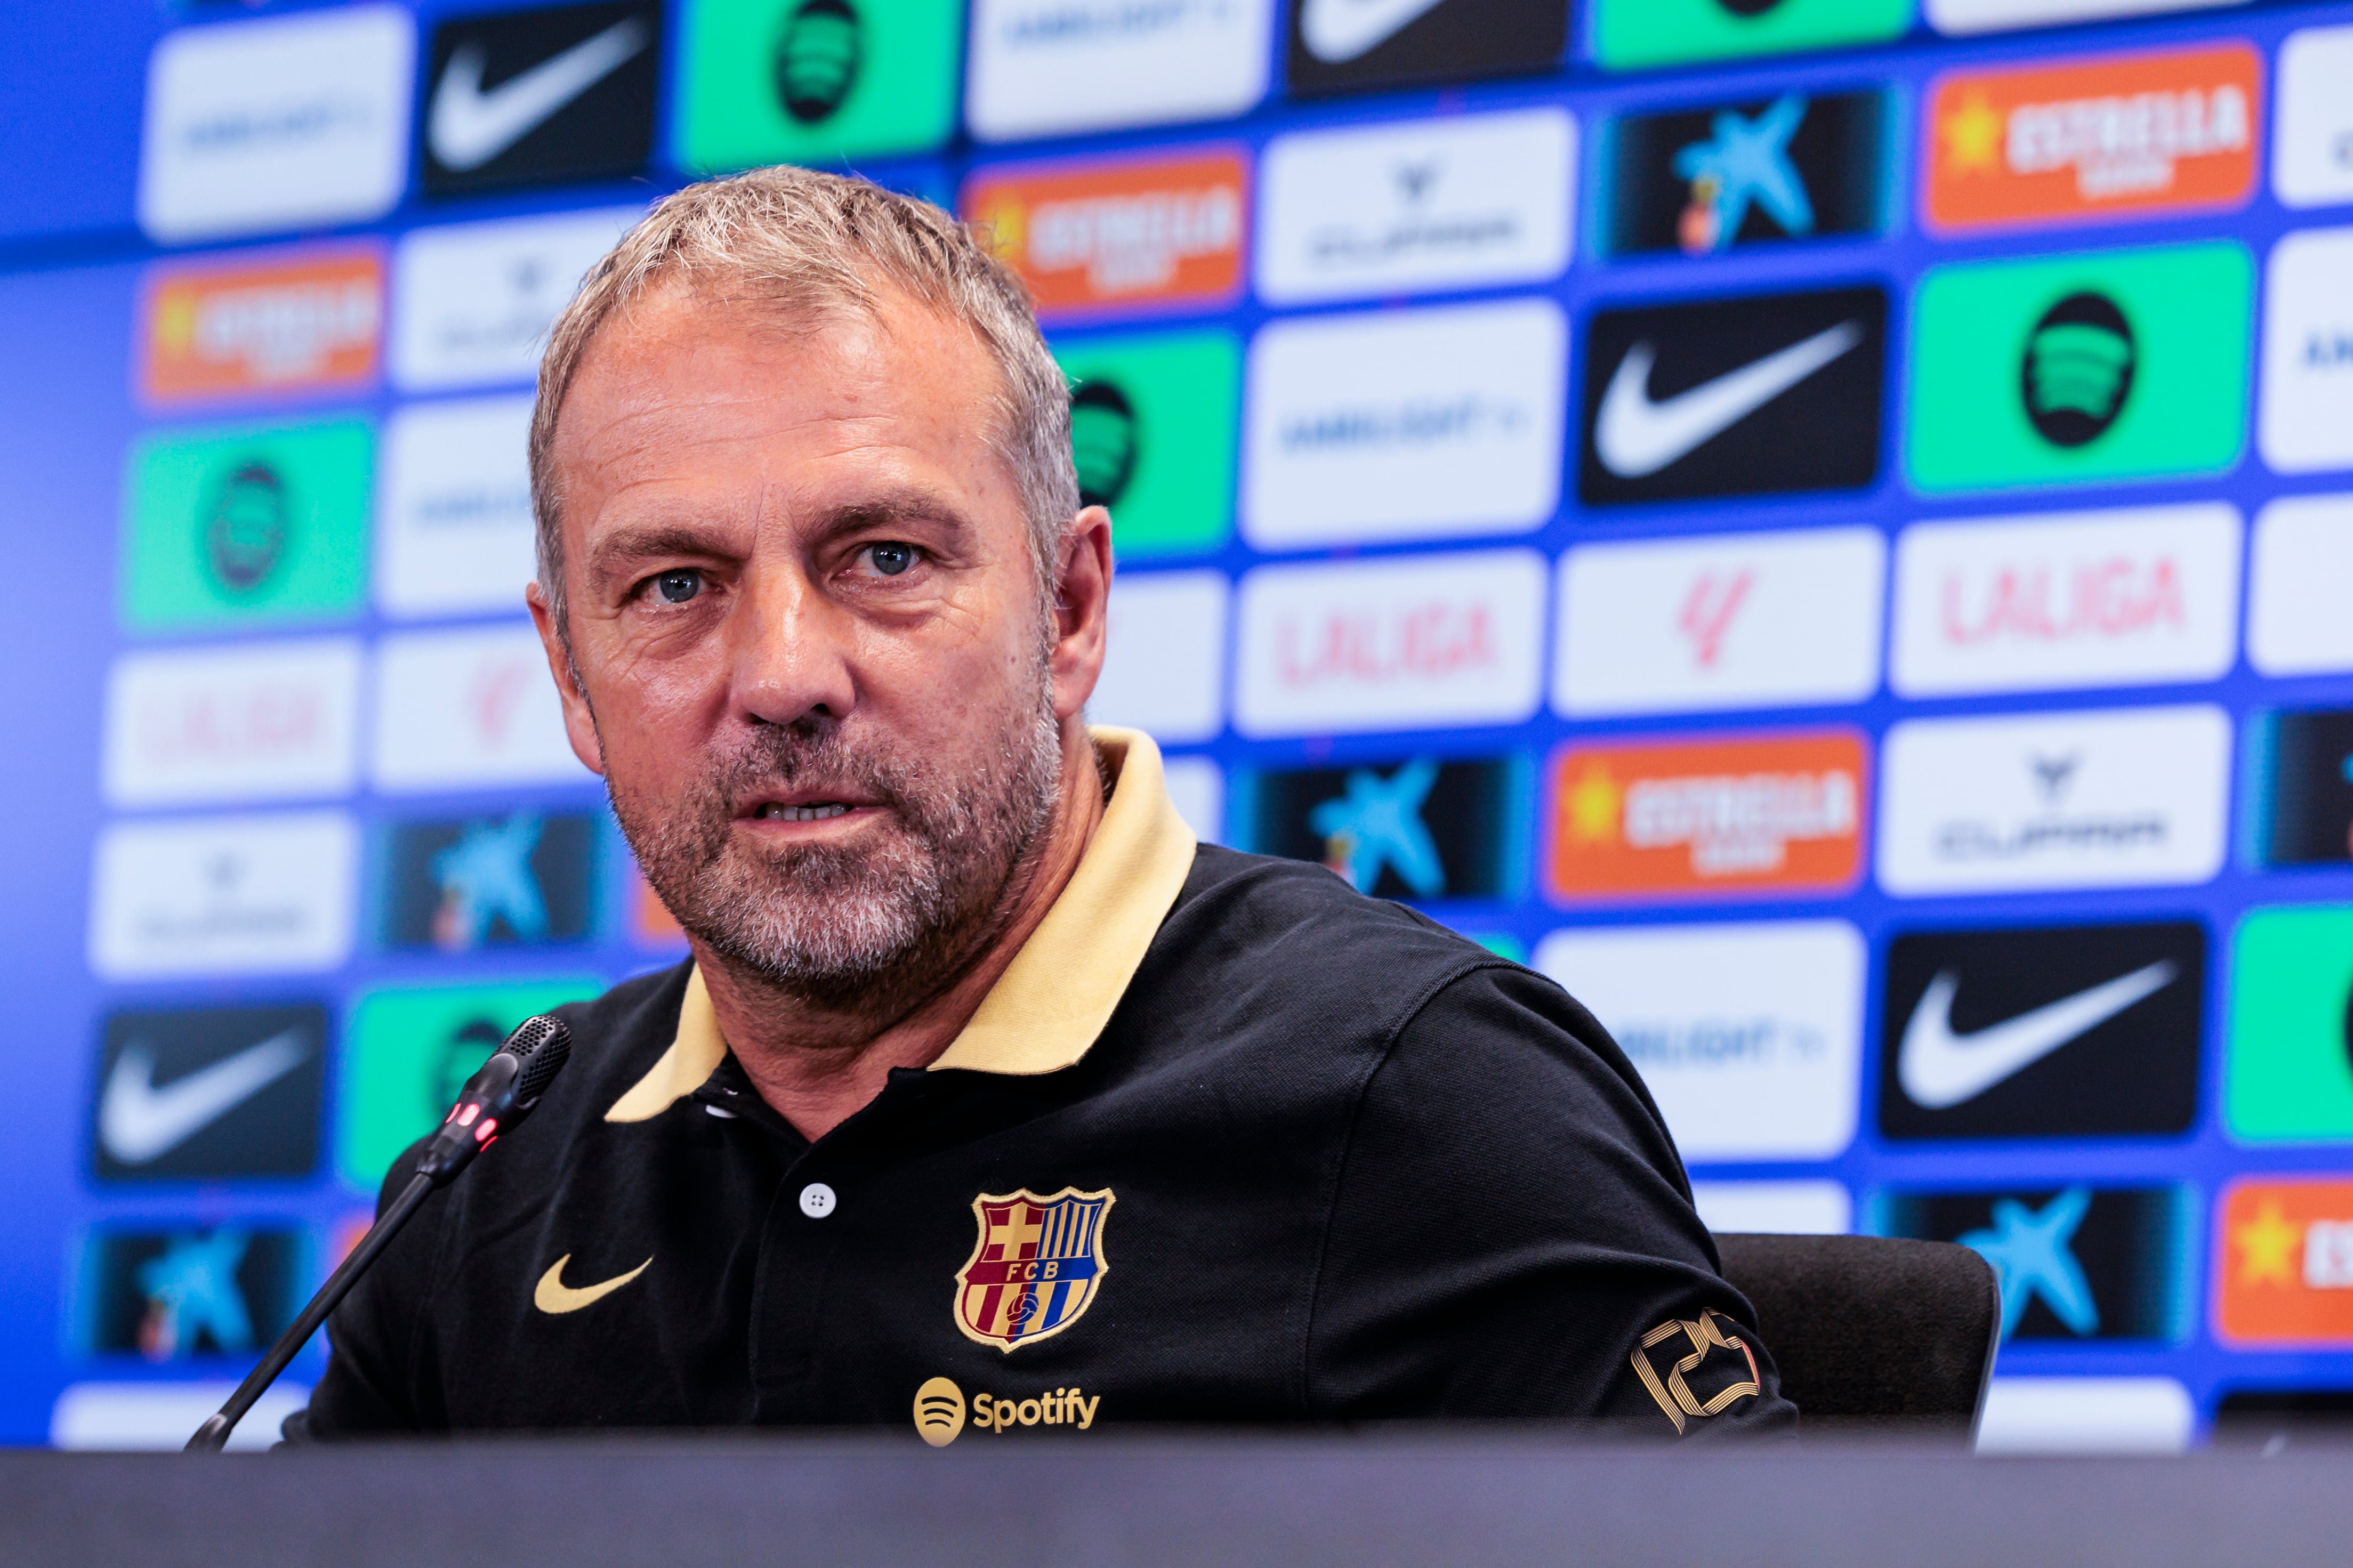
816,1200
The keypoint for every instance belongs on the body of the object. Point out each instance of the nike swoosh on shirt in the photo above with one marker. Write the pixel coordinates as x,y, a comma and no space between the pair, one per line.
1940,1068
1337,31
1635,437
138,1123
554,1297
469,127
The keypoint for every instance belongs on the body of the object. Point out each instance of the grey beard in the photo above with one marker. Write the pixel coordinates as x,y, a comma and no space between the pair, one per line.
874,928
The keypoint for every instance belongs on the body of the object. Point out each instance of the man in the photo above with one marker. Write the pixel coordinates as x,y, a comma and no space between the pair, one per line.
989,1098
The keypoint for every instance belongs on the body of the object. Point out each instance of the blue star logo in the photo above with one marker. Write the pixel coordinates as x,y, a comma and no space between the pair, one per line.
2028,1250
191,1288
1376,822
486,875
1747,162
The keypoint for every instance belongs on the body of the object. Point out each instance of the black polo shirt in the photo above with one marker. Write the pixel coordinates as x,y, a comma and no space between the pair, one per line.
1229,1142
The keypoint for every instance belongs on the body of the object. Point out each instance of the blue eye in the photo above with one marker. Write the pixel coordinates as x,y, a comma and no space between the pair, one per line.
678,587
891,559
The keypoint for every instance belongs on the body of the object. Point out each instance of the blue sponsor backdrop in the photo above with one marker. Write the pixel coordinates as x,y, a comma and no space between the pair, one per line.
92,375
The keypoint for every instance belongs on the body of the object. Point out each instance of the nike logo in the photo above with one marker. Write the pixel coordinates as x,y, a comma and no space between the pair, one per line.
1337,31
1940,1068
469,127
138,1123
554,1297
1635,437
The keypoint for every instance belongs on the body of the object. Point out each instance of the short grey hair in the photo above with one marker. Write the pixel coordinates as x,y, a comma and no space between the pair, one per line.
815,246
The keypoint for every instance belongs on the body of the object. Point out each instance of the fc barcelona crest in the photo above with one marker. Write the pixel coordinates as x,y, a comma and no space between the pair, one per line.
1035,1267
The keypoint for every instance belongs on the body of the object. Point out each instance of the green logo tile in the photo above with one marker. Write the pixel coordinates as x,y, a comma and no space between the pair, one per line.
814,81
1152,423
2288,1076
242,526
1630,35
411,1049
2109,365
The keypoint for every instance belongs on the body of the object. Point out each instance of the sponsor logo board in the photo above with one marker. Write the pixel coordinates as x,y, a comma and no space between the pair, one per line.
2283,1262
1746,397
2169,130
1744,815
1410,425
1346,46
1749,1037
277,122
2043,1032
472,303
525,878
454,535
539,97
1059,67
1165,672
810,81
1114,234
413,1048
2132,797
228,895
2288,1076
1704,181
250,526
1434,641
2300,775
305,320
2306,421
1736,620
265,720
1635,35
2312,135
1774,1208
1423,828
2303,561
2060,369
1471,202
2074,1264
1153,418
208,1093
463,710
188,1293
2032,603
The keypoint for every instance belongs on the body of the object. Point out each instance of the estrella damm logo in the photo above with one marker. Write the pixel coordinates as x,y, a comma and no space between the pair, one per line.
1035,1266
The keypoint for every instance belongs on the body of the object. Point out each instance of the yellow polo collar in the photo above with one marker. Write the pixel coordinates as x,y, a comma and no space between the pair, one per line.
1053,1000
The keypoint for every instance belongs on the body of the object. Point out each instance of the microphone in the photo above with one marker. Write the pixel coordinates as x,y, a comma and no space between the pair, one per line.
494,1101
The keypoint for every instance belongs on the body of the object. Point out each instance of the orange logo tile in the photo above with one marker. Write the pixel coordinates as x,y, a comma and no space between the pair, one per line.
312,320
2122,133
2284,1270
1106,236
650,920
1698,817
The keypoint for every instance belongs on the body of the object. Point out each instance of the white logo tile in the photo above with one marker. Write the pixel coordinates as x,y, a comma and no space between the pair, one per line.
1956,17
454,536
2037,604
1736,620
1431,423
466,710
1196,788
265,720
2307,408
2086,1415
471,302
1466,201
1749,1037
1053,67
1781,1208
2134,797
1428,642
227,895
1165,667
2300,583
2312,135
278,123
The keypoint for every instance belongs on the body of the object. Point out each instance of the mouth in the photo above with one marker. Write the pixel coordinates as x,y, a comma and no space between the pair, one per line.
773,811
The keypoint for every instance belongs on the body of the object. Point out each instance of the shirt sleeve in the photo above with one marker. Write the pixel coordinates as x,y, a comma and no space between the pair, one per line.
1512,1237
373,1386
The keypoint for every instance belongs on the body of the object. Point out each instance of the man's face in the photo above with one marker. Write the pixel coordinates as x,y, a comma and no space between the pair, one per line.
813,663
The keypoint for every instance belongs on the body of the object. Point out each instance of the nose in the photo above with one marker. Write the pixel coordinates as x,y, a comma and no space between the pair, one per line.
791,652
